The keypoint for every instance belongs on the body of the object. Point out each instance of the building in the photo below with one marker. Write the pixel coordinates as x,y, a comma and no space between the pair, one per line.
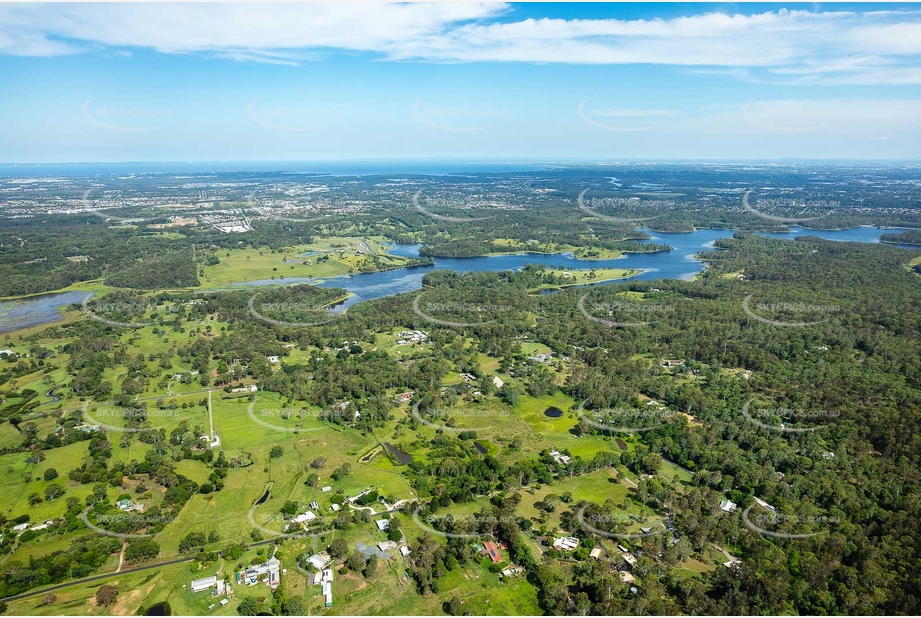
326,488
383,525
765,505
492,551
404,397
405,551
498,382
325,579
21,528
200,585
595,553
124,504
303,518
626,577
319,561
386,546
728,505
629,559
510,571
269,571
566,543
273,359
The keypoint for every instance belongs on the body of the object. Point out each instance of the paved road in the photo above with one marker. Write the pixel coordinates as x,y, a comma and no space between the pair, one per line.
94,578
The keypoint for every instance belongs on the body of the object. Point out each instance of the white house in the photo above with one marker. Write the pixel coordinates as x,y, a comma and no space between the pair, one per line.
728,505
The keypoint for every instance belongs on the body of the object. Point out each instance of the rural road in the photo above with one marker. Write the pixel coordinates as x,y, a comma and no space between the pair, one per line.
94,578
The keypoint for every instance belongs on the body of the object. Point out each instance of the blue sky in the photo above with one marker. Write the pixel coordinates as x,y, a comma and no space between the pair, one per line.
143,82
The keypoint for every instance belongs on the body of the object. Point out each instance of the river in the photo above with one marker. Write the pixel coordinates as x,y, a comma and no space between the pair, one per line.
676,264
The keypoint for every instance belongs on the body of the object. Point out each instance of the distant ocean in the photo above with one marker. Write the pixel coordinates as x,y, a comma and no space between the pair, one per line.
333,168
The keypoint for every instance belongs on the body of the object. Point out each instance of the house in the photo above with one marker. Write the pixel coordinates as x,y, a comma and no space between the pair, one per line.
510,571
21,528
303,518
566,543
124,504
492,551
319,561
326,488
498,382
728,505
224,602
560,458
540,358
271,569
325,579
405,551
468,377
383,525
386,546
252,388
7,352
629,559
732,563
335,507
200,585
765,505
404,397
626,577
273,360
595,553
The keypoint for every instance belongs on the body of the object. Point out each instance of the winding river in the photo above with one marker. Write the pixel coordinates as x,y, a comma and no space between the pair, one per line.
676,264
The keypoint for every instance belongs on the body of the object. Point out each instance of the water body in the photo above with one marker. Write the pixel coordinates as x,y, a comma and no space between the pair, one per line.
676,264
553,412
480,448
35,310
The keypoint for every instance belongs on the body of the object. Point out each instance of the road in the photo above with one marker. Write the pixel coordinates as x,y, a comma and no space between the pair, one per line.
94,578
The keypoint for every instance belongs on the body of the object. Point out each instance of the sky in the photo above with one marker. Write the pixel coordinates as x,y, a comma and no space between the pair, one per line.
548,81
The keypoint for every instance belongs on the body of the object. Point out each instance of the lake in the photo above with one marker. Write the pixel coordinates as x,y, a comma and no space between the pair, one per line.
676,264
35,310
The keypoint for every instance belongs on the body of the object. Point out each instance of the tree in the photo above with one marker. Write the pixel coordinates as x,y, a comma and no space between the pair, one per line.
249,606
49,599
318,463
276,452
338,548
355,561
50,474
312,479
106,595
371,566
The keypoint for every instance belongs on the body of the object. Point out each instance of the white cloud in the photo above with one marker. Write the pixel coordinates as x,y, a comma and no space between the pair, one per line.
840,47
